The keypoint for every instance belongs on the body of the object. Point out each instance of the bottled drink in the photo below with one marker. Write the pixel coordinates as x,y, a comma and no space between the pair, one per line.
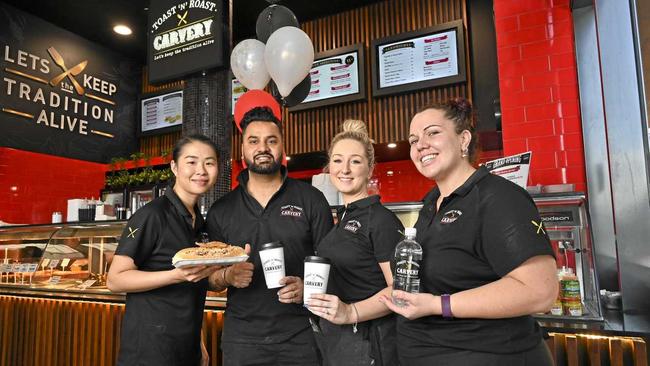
408,256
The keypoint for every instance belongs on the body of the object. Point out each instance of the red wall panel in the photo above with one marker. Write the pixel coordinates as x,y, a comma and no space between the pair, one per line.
34,185
539,88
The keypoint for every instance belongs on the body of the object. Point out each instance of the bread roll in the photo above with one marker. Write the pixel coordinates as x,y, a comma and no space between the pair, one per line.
213,250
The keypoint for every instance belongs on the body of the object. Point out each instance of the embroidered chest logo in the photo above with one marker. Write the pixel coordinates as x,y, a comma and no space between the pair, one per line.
291,210
132,232
352,226
450,216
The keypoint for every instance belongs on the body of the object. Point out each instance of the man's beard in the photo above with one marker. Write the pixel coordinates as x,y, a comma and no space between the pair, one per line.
266,169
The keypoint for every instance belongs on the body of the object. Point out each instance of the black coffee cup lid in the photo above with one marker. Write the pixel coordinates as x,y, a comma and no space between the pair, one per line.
315,259
271,245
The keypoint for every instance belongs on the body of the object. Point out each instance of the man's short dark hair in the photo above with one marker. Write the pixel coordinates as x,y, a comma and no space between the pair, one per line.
257,114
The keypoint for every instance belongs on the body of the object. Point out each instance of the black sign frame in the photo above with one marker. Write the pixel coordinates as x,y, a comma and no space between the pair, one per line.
190,63
456,25
362,94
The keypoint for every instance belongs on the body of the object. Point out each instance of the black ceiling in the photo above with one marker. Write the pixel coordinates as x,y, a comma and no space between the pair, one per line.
94,19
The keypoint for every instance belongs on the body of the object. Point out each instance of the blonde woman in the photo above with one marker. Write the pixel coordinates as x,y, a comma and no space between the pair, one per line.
355,328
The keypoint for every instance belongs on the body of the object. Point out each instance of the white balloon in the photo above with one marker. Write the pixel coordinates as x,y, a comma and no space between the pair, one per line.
289,56
247,64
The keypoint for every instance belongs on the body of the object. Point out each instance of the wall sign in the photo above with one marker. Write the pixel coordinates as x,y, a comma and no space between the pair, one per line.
185,37
337,76
420,59
61,94
514,168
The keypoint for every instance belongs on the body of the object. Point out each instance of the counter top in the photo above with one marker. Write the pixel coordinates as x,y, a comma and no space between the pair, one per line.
615,323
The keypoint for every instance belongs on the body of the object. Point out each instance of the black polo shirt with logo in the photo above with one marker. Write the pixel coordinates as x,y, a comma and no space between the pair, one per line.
298,216
162,326
483,230
365,236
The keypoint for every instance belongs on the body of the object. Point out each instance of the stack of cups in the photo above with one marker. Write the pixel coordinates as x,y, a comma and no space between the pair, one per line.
272,257
317,271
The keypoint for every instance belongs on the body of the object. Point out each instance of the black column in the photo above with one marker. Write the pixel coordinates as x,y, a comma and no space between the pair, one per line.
206,110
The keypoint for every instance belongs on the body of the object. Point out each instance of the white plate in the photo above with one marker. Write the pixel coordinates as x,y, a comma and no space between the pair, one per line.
216,261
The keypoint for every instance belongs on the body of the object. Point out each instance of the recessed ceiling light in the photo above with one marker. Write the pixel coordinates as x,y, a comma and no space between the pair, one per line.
122,30
288,157
392,145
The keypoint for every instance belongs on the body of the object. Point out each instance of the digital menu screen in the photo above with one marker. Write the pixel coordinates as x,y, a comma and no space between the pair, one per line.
334,77
420,59
161,112
337,76
237,89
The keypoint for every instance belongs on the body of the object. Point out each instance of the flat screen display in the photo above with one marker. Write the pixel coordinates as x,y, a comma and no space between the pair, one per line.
416,60
162,113
337,76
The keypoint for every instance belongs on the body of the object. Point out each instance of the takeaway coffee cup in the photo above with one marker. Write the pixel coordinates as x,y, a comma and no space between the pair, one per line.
317,271
272,257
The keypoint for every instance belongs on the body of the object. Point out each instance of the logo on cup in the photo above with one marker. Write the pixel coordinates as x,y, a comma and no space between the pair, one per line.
314,279
291,210
273,264
352,226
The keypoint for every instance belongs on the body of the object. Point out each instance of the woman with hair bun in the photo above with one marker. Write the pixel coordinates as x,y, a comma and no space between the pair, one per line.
487,261
354,327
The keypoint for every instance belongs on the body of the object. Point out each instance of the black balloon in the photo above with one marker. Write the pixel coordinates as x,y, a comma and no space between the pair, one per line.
273,18
298,94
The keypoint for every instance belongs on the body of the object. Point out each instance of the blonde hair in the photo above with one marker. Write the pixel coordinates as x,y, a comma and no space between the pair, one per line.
356,130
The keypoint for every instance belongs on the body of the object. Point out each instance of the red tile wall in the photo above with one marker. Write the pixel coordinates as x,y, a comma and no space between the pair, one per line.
34,185
395,181
539,88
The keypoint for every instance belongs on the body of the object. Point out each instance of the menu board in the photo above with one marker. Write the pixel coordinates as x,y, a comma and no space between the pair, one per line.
421,59
237,89
337,76
161,112
334,77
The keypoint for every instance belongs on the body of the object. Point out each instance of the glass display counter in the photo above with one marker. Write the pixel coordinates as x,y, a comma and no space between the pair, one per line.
63,260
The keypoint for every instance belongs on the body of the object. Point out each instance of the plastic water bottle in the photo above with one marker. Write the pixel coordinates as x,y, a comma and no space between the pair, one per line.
408,257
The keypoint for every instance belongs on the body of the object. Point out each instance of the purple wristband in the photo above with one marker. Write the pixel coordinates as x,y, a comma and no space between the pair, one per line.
446,306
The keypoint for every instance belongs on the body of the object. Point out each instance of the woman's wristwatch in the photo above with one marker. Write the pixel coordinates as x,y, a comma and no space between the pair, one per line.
445,300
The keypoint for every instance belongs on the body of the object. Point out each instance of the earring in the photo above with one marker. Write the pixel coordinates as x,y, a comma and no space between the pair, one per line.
464,153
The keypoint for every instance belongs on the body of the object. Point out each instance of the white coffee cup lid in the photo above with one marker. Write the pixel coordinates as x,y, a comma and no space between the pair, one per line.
271,245
315,259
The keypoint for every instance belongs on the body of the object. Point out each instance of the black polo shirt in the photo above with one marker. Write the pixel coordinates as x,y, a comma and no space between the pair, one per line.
298,216
162,326
483,230
365,236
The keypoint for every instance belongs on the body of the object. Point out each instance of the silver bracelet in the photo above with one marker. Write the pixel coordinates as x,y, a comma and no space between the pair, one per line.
356,321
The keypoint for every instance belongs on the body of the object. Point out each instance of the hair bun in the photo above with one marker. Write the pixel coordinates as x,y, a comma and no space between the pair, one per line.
354,125
461,105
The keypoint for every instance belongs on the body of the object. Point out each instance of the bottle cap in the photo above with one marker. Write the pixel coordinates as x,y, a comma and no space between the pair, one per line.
410,231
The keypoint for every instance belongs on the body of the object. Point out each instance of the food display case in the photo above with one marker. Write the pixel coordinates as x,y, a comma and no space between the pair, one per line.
566,220
64,257
66,260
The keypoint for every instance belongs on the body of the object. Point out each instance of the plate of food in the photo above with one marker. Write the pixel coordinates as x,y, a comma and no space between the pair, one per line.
212,253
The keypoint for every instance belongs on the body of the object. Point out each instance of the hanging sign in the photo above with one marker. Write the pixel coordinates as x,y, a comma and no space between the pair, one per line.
184,37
